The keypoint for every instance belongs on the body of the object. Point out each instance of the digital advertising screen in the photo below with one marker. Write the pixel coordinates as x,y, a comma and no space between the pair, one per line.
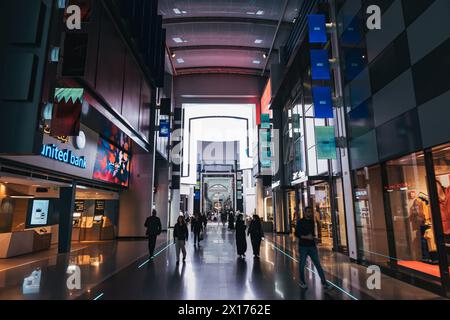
111,164
39,212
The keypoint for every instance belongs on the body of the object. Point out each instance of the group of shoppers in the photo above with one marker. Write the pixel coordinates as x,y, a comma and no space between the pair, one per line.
304,231
255,232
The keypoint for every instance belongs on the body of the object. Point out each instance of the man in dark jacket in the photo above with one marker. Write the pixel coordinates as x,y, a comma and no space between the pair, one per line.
197,228
307,247
153,225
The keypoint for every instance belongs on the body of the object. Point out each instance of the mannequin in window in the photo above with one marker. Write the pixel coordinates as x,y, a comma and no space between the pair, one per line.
420,217
444,204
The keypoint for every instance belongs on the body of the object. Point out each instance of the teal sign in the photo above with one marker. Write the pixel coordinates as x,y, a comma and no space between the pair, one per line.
265,121
51,151
325,143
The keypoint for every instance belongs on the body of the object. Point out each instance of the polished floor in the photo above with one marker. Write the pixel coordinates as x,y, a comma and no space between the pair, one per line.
214,272
97,262
122,270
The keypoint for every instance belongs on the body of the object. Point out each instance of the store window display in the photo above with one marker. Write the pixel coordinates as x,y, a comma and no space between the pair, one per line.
412,221
370,216
441,159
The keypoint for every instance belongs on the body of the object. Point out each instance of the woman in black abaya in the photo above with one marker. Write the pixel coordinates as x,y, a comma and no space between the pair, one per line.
241,240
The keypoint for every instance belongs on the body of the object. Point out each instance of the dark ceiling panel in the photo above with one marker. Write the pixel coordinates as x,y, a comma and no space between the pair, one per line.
225,34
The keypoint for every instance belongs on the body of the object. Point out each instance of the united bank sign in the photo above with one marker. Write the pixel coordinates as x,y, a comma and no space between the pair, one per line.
51,151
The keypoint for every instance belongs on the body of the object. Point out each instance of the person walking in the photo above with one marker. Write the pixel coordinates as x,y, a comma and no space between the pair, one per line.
153,225
181,235
231,220
223,217
197,228
241,240
307,247
256,234
204,221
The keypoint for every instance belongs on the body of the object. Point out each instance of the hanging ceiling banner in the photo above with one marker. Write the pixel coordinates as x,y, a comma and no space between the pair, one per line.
325,143
320,65
323,102
317,28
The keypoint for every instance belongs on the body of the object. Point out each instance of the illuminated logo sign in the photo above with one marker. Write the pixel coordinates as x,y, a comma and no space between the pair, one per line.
51,151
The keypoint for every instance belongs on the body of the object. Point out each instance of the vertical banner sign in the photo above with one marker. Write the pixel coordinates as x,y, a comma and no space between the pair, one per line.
317,28
164,128
320,65
325,143
265,121
323,102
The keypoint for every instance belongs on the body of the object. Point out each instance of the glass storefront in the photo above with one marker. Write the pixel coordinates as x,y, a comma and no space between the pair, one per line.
412,223
370,220
398,226
340,215
441,162
292,209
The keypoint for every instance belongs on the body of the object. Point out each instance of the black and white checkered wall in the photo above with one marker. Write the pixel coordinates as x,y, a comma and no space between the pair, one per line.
397,79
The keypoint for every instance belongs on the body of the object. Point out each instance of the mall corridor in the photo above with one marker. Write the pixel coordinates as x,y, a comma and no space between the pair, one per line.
322,122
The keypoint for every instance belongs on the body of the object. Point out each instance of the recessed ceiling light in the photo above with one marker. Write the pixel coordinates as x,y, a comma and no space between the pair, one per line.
177,40
251,13
265,55
184,12
177,11
180,60
259,12
174,55
258,41
256,61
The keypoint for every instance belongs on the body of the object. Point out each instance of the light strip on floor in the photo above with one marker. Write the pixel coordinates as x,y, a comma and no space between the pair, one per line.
381,255
328,281
99,296
155,255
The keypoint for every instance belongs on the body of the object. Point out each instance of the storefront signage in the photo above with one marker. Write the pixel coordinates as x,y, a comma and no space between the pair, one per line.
397,187
325,143
320,65
164,128
265,121
361,193
79,206
51,151
298,177
317,28
323,102
99,209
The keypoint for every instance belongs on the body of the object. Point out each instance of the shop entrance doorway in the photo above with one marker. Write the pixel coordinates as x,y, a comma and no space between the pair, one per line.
321,202
326,197
95,215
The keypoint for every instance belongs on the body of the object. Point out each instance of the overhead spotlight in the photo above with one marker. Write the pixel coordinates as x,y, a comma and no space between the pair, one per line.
174,54
265,55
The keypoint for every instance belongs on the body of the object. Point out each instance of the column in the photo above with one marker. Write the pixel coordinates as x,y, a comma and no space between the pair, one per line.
65,208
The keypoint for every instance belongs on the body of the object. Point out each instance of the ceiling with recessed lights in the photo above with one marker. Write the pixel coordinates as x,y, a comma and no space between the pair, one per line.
226,36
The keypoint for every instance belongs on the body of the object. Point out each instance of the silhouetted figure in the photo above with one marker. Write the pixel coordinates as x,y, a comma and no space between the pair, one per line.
231,220
153,225
197,228
241,240
181,235
256,234
204,221
223,217
307,247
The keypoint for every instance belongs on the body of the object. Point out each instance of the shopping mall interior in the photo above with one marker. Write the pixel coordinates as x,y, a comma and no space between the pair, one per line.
249,122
